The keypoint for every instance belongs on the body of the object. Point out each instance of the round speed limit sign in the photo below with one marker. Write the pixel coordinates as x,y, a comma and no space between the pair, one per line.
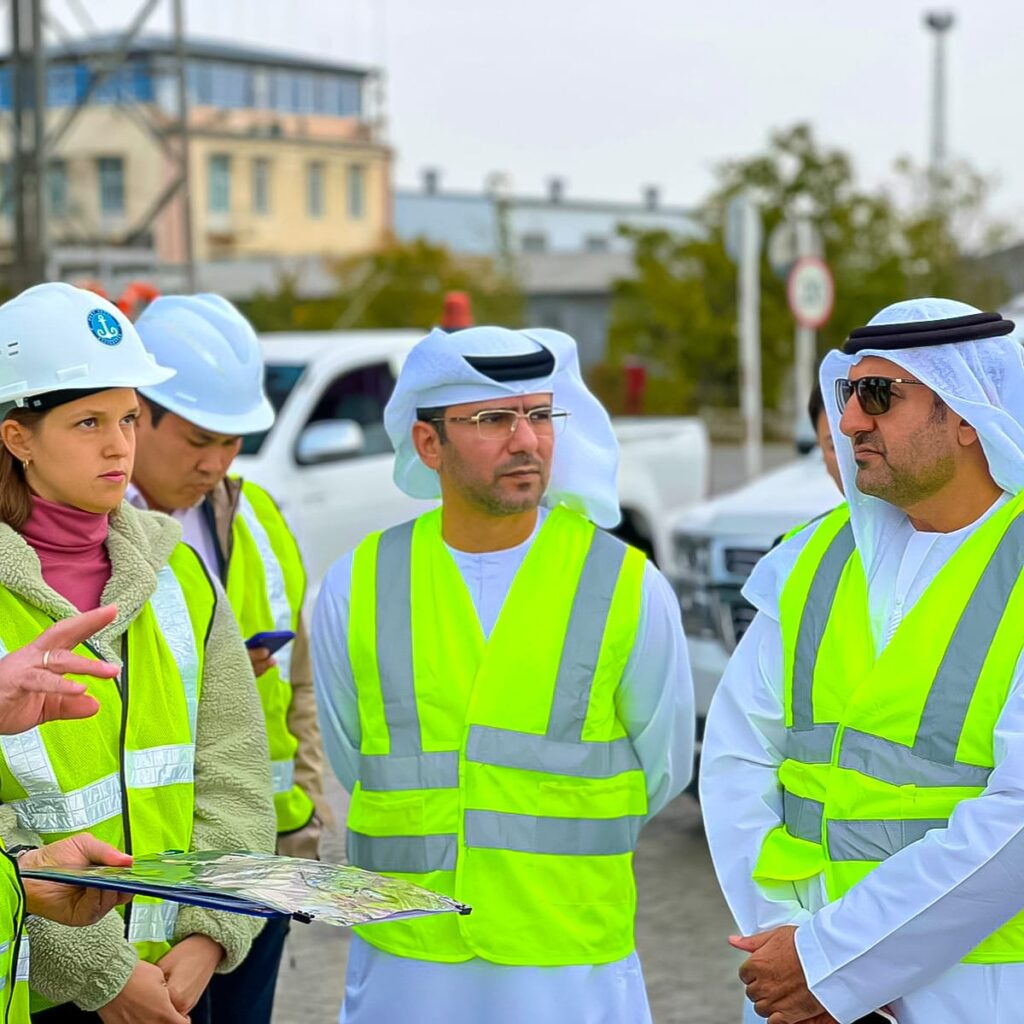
810,292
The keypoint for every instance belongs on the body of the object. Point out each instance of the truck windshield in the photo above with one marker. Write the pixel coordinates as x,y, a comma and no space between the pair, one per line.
279,379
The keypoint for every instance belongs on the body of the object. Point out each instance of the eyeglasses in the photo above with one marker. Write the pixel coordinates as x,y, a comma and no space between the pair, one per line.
873,393
497,424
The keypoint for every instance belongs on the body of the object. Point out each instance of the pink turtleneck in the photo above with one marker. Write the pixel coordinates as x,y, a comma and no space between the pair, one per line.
71,545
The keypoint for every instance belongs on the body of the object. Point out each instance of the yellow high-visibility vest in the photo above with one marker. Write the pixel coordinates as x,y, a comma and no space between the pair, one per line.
881,750
266,585
125,774
14,946
498,771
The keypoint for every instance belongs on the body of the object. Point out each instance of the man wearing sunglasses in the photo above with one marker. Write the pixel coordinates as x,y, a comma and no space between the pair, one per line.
864,760
504,690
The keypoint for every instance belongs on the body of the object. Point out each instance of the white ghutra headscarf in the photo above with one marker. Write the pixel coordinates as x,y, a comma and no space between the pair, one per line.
480,364
980,380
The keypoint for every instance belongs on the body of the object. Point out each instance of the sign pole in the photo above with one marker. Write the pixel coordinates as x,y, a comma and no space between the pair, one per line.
811,293
749,301
806,336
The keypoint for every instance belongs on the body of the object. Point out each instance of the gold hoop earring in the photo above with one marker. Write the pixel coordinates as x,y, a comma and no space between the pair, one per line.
25,464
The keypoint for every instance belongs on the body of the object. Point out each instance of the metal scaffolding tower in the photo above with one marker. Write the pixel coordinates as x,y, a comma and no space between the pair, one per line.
32,144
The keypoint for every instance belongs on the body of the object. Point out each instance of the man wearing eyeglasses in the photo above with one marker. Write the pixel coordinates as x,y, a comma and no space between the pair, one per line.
863,767
504,690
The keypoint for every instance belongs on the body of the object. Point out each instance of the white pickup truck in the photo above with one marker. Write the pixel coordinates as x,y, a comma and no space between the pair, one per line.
327,460
715,546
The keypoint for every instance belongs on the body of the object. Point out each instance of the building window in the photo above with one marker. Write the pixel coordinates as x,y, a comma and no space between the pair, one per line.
261,88
303,94
61,85
220,183
230,86
356,192
111,175
596,243
315,189
534,242
261,185
57,187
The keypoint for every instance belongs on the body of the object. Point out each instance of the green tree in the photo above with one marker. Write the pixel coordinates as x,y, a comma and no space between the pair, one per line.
678,312
401,285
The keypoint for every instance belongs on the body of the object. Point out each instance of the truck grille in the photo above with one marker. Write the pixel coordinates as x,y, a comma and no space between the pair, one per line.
741,561
742,616
735,614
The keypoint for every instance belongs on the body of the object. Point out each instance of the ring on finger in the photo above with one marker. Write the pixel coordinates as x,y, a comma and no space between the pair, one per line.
46,659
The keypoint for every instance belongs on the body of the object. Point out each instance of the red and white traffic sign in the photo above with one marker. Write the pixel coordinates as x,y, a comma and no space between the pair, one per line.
811,292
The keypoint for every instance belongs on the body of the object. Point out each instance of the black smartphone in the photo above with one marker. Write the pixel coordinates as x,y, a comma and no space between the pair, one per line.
273,640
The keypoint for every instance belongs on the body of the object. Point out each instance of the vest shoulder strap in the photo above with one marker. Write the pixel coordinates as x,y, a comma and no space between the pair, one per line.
198,587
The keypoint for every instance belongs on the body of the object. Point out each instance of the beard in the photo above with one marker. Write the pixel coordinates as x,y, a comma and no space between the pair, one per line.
906,477
493,495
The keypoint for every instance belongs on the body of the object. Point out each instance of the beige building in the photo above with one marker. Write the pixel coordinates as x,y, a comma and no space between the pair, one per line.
283,152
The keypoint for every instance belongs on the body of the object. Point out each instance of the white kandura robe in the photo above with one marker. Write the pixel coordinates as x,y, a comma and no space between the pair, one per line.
898,936
655,704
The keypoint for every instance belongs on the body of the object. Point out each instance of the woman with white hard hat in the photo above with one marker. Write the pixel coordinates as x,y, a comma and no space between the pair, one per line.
176,756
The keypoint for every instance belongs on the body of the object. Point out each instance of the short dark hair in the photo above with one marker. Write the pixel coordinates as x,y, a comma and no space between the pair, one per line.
156,411
434,415
815,405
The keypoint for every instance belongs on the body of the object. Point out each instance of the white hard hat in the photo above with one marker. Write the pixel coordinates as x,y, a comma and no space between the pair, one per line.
219,380
57,338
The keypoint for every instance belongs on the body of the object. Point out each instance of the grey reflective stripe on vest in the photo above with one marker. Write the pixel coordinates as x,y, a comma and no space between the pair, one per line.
434,770
583,636
152,922
901,765
418,854
175,624
509,749
159,766
803,817
24,957
46,808
282,775
568,837
277,592
945,710
562,750
76,811
931,761
875,840
394,639
812,746
813,621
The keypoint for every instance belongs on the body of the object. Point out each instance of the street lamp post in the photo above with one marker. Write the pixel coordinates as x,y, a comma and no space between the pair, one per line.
939,23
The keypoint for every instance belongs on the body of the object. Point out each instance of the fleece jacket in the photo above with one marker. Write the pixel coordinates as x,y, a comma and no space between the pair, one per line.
234,806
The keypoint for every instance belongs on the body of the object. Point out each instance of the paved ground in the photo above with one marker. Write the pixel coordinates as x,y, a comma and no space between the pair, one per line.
682,923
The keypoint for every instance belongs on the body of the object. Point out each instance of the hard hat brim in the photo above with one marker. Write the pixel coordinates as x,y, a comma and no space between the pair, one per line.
95,382
253,421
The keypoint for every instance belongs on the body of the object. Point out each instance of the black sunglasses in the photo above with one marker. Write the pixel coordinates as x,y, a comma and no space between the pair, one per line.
873,393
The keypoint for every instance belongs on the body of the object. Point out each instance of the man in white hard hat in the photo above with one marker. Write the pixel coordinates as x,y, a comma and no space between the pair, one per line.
190,431
504,690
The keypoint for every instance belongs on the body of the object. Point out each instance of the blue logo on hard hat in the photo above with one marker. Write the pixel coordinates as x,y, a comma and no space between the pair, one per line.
105,327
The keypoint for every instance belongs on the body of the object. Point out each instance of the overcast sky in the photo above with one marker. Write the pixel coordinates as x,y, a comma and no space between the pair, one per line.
612,94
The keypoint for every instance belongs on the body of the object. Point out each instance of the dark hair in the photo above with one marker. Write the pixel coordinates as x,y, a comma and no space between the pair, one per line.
15,494
434,415
815,405
156,411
